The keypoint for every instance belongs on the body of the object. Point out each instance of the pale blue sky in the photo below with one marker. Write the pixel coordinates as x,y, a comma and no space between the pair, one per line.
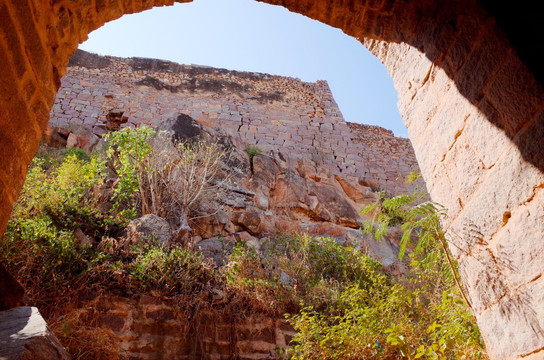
250,36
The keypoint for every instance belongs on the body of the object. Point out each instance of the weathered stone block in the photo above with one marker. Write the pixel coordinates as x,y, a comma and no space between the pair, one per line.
24,335
481,63
518,246
488,141
461,159
469,28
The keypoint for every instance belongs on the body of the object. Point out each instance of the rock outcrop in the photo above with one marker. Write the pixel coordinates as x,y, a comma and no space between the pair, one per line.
149,227
24,335
315,172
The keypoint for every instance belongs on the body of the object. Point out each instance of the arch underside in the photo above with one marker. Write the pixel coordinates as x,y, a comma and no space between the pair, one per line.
472,108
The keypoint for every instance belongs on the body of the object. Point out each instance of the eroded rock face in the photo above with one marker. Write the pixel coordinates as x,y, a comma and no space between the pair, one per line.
24,335
281,186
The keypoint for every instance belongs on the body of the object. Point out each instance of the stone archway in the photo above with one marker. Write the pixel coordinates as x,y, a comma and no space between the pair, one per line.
473,109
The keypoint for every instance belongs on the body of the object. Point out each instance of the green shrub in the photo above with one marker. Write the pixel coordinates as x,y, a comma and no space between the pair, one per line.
388,321
422,233
252,151
56,200
246,275
157,176
424,316
297,269
63,193
174,269
129,148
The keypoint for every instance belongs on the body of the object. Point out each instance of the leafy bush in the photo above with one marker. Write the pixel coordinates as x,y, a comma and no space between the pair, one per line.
298,268
421,231
424,316
388,321
55,202
163,178
129,149
64,191
174,269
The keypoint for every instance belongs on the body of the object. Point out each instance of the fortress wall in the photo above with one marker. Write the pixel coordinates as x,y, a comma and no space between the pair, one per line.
274,112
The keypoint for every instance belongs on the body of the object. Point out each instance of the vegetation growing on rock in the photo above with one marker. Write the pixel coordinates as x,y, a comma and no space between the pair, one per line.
161,177
66,247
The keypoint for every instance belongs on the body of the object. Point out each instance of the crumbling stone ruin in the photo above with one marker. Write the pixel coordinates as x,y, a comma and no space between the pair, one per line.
278,114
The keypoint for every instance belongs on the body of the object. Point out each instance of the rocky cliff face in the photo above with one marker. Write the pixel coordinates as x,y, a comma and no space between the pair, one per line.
274,192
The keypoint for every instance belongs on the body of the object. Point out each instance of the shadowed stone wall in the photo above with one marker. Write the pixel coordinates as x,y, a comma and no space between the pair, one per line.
152,328
473,109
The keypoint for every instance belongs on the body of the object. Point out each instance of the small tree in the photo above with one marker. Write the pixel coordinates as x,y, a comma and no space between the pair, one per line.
162,177
129,149
419,218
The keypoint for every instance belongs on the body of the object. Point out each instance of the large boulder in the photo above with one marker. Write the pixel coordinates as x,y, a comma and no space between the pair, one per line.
385,251
215,248
149,227
249,221
64,137
56,136
186,129
24,335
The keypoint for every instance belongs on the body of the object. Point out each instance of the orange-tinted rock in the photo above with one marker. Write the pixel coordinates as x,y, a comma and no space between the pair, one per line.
54,137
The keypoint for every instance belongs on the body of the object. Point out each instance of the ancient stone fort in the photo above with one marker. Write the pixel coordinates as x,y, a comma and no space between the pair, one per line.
469,77
273,112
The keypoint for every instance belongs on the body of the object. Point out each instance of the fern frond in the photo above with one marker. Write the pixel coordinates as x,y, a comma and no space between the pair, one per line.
421,218
369,208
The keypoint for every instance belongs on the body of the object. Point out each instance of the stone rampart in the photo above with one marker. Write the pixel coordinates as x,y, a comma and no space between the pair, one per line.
151,328
274,112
